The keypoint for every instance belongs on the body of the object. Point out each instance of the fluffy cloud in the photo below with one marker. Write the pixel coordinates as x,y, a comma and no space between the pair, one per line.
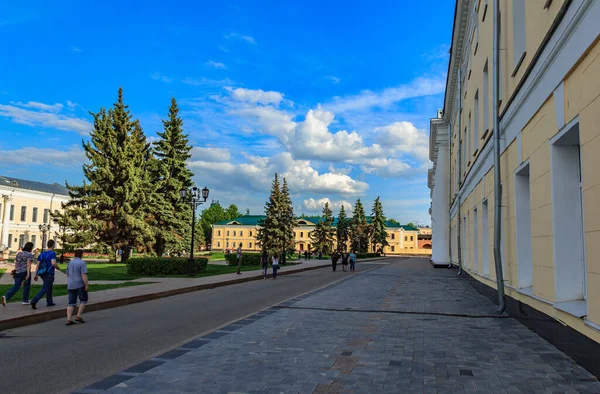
257,96
44,115
387,168
257,172
332,78
218,65
317,205
210,154
72,156
248,39
368,99
404,137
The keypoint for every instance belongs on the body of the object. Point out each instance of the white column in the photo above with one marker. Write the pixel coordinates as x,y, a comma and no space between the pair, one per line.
6,220
440,208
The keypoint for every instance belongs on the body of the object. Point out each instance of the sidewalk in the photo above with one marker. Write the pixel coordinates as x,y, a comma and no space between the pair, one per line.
16,315
401,328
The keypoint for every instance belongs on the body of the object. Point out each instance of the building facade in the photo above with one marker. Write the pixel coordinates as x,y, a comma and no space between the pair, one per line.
549,142
229,234
24,206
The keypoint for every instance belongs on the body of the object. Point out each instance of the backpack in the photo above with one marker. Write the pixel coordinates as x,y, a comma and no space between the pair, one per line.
44,264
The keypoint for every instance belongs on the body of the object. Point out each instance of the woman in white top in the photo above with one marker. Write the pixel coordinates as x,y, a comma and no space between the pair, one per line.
275,264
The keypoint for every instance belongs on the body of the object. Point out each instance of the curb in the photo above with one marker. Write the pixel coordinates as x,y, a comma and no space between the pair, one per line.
54,314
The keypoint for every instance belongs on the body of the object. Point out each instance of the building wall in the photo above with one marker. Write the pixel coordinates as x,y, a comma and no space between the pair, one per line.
29,228
535,123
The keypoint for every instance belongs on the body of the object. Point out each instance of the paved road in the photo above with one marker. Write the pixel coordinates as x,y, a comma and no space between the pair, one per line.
51,357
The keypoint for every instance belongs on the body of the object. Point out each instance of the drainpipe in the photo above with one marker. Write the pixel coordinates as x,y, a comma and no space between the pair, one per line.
497,187
458,232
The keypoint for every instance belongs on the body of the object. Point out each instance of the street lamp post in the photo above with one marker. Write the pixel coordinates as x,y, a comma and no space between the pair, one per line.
195,197
44,228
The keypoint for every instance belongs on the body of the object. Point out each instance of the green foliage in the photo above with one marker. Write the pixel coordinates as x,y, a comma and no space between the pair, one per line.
169,174
247,259
155,266
276,230
378,233
359,229
410,224
322,235
342,230
367,255
288,221
214,214
394,221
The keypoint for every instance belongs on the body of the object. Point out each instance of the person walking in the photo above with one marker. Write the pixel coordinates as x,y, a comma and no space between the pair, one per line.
344,260
306,255
264,259
77,287
334,260
46,269
239,259
275,264
21,274
352,260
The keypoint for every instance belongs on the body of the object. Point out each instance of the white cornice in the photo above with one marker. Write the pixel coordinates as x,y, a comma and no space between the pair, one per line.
461,19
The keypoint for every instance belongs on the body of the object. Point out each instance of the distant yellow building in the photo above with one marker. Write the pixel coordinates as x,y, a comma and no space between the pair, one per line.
549,141
229,234
24,206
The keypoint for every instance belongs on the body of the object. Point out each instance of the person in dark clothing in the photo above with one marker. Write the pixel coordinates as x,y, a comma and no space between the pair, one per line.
334,260
320,255
306,255
265,263
344,261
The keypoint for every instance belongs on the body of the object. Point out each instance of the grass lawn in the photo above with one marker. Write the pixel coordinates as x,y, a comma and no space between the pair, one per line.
2,271
213,269
109,272
212,256
60,290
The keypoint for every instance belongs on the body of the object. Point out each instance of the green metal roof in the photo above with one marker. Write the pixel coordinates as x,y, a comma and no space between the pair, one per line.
254,220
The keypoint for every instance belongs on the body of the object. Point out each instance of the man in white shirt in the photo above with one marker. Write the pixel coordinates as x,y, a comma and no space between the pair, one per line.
239,258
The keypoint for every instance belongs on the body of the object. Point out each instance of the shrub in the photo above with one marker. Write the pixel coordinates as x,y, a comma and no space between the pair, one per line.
153,266
247,259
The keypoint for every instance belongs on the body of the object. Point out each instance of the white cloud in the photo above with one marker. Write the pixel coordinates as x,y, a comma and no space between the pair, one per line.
387,168
44,115
76,49
257,96
317,205
248,39
210,154
27,156
404,137
158,77
217,65
206,81
369,99
333,79
224,48
71,104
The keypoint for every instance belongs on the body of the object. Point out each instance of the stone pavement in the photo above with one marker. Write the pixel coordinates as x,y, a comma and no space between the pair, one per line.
400,328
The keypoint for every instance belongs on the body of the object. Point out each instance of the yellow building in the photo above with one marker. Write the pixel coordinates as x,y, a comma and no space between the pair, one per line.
25,205
549,154
229,234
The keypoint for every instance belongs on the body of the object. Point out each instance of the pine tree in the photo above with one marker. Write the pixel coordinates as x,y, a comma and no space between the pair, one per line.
378,233
269,235
342,230
322,235
109,209
171,216
288,220
359,229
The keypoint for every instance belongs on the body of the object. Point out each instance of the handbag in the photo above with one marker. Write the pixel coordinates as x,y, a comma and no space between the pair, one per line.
13,272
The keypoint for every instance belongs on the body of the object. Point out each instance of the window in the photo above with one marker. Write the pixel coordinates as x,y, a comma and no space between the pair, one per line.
393,236
393,248
228,233
567,216
523,213
250,233
23,214
483,9
12,212
218,233
475,243
486,98
250,244
33,239
46,215
518,34
218,244
412,238
469,137
34,215
241,233
21,240
227,244
234,233
485,248
476,122
405,239
10,238
301,234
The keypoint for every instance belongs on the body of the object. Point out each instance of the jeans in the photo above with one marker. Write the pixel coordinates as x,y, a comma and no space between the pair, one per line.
46,289
80,293
275,268
334,264
20,279
352,262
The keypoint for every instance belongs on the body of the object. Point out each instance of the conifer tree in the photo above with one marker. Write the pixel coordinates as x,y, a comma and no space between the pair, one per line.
287,219
359,229
109,209
171,216
342,230
269,235
322,235
378,232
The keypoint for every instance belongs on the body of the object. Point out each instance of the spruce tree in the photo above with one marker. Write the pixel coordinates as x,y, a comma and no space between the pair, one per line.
378,233
109,209
342,230
322,235
288,221
269,235
171,216
359,229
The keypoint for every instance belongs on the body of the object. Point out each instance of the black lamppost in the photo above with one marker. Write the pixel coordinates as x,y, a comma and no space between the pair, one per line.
195,197
44,228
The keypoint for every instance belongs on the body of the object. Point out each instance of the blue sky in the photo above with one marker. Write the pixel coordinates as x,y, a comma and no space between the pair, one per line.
335,95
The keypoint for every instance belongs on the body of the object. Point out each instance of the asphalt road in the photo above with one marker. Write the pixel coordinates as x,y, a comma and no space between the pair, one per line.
53,358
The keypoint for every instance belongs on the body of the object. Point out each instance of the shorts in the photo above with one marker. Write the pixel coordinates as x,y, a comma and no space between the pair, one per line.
75,293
